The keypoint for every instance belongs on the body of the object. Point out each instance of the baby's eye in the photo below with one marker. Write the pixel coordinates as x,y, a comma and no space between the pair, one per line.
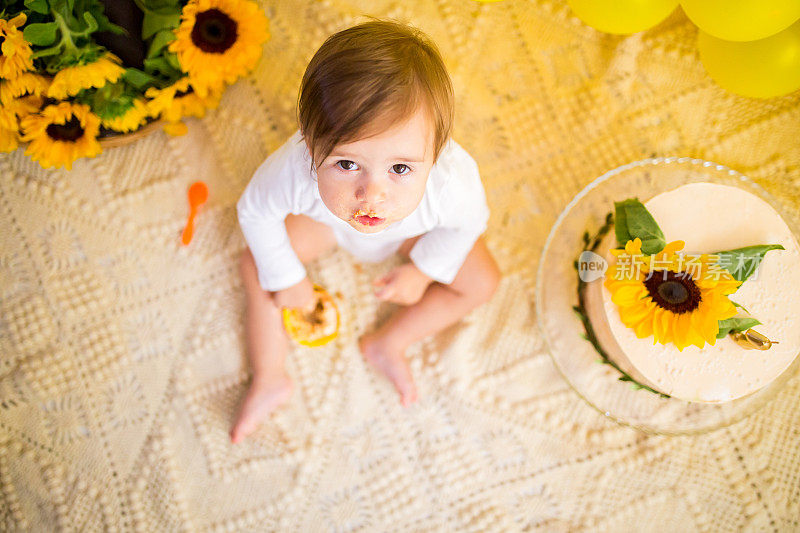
345,164
401,169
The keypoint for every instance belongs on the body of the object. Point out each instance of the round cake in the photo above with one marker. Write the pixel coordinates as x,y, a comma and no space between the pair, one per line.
710,218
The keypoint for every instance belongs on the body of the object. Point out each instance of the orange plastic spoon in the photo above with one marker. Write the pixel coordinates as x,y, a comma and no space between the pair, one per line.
198,194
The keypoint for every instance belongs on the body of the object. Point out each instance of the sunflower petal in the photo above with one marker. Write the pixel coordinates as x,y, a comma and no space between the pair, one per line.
175,129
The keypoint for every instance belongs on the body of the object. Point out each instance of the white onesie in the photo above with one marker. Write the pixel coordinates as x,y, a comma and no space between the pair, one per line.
452,214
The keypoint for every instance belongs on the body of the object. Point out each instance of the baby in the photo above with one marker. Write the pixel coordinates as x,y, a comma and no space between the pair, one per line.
373,170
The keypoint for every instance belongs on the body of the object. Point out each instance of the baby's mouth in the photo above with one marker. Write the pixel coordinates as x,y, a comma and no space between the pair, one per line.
368,218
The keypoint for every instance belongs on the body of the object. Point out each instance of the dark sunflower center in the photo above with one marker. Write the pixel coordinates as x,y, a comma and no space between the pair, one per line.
69,131
673,291
214,31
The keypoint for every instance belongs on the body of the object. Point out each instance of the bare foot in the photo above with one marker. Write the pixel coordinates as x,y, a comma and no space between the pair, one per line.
262,398
392,363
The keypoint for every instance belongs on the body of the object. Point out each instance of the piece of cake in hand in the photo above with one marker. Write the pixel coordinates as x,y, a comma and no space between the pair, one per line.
313,328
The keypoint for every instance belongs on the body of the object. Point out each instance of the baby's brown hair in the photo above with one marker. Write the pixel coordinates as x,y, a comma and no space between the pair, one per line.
375,72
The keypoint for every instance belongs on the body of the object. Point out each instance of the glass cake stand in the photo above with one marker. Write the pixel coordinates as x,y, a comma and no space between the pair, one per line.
556,294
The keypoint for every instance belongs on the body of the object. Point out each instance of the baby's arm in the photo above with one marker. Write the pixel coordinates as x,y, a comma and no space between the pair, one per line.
455,257
261,211
439,254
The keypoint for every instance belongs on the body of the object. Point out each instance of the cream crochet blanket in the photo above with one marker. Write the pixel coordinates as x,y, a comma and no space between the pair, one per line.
122,352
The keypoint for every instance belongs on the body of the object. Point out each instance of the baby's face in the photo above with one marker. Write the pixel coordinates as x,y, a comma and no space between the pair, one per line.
373,182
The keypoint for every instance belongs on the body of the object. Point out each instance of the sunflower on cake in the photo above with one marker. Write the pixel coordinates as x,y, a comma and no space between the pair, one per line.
697,301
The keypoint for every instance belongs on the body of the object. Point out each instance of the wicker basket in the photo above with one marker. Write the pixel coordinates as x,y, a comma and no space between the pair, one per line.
127,138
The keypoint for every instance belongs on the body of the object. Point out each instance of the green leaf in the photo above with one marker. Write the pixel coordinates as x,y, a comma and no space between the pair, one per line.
138,79
39,6
45,53
60,6
90,22
621,224
742,262
735,324
64,7
159,5
162,39
106,25
41,34
110,101
156,64
155,22
633,220
740,306
172,59
160,65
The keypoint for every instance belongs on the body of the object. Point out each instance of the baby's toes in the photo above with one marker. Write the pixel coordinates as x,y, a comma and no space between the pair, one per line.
408,395
257,405
400,375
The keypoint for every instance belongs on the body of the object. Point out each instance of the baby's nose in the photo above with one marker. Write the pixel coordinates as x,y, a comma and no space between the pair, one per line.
371,191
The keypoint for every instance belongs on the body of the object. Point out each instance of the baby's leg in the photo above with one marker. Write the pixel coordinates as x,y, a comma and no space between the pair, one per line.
267,343
440,306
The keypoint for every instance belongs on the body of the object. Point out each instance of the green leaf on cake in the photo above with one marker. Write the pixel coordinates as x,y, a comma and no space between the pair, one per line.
736,323
740,306
742,262
632,220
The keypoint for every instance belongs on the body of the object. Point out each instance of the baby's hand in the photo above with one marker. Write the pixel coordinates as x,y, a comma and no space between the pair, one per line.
300,295
404,285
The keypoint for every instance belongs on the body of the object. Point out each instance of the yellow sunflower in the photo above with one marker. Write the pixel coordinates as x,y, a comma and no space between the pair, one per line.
61,133
8,140
673,297
218,41
135,116
71,80
24,105
26,83
180,100
8,119
9,130
16,51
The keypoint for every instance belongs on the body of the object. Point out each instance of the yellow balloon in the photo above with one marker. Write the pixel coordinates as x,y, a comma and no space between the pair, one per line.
622,16
742,20
761,69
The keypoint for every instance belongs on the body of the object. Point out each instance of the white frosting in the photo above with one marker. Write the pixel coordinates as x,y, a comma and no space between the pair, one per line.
711,218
